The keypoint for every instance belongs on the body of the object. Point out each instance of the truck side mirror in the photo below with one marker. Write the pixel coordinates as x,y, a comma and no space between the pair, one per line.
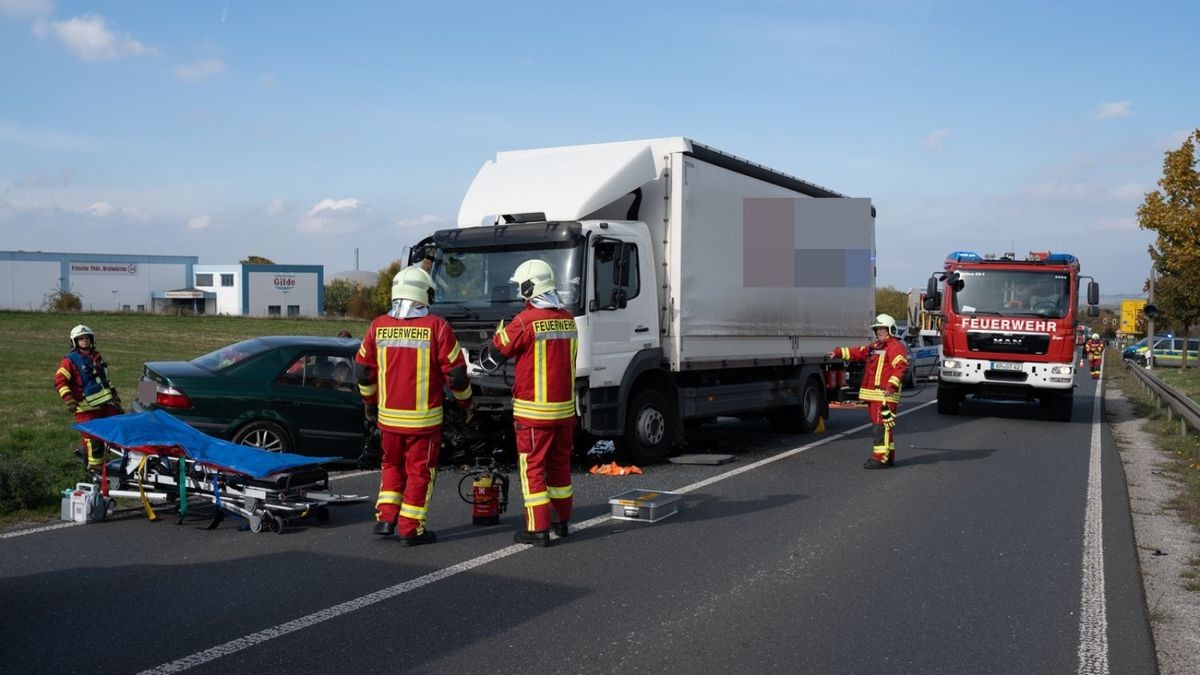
956,282
1093,310
1093,294
932,297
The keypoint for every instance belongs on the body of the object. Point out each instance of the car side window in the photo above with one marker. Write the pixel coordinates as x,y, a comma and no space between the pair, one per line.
320,371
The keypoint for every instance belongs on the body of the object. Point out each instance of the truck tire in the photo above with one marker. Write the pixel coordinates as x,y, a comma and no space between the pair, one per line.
802,418
1059,407
265,435
948,401
649,429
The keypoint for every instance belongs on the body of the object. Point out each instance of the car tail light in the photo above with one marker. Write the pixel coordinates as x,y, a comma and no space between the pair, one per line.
170,397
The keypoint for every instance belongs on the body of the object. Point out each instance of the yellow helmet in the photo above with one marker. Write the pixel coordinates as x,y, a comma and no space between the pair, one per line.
413,283
82,331
885,321
533,277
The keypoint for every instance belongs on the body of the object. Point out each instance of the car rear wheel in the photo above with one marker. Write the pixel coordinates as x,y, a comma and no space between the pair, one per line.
265,435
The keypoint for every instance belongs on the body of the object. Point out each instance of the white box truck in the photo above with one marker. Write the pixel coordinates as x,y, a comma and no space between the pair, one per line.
702,284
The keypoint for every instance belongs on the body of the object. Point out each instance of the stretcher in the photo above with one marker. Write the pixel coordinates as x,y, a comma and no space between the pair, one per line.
160,460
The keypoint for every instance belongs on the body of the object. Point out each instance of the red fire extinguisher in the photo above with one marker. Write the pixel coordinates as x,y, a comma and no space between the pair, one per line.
488,495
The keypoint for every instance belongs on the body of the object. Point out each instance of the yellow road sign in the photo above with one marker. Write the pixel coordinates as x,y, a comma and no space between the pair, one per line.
1133,321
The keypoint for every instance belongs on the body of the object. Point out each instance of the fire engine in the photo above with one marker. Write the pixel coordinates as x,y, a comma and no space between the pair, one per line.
1008,328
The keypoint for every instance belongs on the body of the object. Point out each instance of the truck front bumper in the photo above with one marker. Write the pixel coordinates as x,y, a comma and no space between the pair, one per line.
976,372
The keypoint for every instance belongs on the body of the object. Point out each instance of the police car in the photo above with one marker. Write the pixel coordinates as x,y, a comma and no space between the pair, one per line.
924,356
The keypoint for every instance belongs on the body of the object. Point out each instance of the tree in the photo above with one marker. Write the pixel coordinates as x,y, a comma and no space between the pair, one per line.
1173,213
888,300
382,296
59,300
256,260
337,296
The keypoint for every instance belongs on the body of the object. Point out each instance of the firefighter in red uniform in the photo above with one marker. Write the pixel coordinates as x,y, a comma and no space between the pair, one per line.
1094,348
407,356
543,339
886,362
82,382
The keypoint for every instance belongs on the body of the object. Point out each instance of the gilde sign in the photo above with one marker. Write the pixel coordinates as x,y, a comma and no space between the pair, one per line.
284,282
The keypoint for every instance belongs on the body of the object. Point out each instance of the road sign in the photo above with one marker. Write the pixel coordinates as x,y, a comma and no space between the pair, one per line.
1132,320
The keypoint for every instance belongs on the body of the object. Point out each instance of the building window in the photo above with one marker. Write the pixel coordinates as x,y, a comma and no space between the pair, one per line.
141,308
124,308
273,310
204,280
293,310
227,280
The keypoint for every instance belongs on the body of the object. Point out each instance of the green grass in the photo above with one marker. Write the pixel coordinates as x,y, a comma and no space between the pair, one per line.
36,443
1183,452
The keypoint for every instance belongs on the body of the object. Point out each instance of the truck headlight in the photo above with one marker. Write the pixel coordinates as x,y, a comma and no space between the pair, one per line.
952,363
1061,370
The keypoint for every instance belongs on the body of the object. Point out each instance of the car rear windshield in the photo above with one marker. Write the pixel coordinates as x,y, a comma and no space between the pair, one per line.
227,356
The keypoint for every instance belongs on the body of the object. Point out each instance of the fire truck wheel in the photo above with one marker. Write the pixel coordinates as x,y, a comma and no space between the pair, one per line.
1058,407
948,401
649,429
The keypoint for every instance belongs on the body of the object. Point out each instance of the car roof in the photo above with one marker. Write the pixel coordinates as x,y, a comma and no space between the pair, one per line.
309,341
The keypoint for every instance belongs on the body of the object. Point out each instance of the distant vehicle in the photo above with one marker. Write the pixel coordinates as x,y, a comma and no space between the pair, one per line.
1168,351
280,393
924,356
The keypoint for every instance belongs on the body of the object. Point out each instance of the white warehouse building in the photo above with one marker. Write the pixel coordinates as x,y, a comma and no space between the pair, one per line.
261,290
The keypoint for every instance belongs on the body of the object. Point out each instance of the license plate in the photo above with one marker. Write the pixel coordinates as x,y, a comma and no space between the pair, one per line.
147,391
1005,365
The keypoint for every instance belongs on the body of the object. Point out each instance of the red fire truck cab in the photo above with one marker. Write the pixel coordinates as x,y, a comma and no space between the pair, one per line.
1008,328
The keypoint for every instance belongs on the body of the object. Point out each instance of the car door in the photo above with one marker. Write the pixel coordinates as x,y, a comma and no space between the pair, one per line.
318,397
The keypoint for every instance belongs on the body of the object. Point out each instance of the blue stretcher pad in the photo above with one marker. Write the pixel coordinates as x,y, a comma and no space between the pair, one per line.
157,432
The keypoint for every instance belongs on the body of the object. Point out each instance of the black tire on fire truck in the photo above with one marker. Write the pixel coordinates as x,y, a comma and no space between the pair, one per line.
948,400
649,428
1058,406
802,418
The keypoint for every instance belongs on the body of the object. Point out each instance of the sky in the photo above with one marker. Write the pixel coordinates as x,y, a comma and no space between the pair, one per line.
302,131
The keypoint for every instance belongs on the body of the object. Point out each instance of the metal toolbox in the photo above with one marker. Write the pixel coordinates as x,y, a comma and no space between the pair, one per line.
647,506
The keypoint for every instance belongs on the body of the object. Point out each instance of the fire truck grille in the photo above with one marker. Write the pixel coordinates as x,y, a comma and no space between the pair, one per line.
1008,343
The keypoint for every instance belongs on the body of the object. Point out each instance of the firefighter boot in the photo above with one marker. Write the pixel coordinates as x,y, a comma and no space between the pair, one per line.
541,539
425,537
385,528
560,528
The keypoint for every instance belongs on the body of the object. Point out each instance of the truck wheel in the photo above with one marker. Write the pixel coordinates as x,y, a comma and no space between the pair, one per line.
803,418
265,435
649,429
948,401
1059,407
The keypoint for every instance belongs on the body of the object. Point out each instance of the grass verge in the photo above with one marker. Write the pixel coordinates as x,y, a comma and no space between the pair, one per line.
36,443
1181,453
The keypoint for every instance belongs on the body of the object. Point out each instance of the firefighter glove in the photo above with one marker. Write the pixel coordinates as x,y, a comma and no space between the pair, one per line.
371,412
888,418
72,406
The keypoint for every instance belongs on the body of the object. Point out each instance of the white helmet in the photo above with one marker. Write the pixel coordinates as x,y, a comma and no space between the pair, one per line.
885,321
533,277
413,283
82,331
1095,336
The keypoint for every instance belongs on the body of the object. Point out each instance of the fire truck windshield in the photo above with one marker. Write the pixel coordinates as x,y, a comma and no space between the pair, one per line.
1013,293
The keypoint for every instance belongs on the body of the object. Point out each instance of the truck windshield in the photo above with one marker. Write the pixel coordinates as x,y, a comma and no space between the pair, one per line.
479,278
1013,293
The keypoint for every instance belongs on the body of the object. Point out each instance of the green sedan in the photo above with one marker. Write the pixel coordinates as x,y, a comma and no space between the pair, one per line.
280,393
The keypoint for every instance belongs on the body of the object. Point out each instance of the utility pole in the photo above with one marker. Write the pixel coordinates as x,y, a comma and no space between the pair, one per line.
1150,324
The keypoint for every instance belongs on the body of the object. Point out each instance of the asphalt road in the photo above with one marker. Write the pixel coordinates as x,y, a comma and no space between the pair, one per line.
969,556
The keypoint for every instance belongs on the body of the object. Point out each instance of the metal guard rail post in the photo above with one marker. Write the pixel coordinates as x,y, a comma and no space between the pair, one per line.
1186,408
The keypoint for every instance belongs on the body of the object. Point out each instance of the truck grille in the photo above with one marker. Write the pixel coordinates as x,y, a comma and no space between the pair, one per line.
1008,343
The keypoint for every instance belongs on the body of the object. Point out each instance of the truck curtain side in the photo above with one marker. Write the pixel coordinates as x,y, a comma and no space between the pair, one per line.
702,284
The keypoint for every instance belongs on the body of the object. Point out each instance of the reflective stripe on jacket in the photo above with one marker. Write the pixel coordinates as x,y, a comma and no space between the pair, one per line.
886,363
544,342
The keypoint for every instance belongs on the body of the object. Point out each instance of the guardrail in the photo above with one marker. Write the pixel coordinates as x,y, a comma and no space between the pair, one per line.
1164,394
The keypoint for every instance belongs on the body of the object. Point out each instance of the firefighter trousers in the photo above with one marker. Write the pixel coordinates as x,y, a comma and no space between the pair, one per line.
884,449
93,448
408,471
544,462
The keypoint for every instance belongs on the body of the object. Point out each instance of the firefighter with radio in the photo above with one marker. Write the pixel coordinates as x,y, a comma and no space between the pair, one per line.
406,359
886,361
1094,348
82,382
543,339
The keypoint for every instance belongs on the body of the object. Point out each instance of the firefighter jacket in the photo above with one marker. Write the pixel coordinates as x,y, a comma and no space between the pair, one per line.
83,378
1094,349
407,364
544,342
886,362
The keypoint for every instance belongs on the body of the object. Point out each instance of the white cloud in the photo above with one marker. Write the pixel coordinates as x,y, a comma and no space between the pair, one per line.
101,209
89,36
129,214
935,138
26,8
1114,109
335,216
192,72
427,219
199,223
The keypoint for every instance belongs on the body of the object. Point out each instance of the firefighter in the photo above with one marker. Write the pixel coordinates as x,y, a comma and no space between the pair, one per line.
543,340
1094,348
886,361
82,382
407,356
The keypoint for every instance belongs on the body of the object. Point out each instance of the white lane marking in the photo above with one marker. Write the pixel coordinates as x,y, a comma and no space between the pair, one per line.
1093,617
35,530
352,474
242,643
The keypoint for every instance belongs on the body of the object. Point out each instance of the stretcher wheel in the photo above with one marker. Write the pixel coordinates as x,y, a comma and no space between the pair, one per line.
274,522
256,526
322,514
